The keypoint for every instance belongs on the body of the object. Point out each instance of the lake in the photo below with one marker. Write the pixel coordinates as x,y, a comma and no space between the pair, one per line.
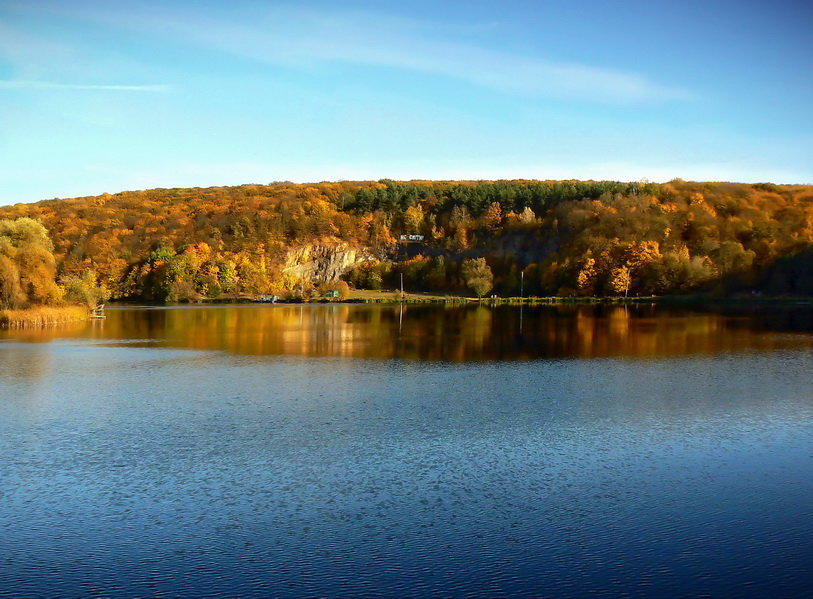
417,450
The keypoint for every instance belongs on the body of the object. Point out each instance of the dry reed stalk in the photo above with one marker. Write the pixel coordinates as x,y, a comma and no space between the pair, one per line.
42,316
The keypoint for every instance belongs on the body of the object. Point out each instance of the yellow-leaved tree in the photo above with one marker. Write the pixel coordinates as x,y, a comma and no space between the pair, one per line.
477,275
27,265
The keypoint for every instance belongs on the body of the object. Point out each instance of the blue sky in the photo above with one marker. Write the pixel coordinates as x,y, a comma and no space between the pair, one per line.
106,96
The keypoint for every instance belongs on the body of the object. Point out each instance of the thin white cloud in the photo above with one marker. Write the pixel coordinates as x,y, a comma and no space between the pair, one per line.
6,84
309,39
37,60
301,38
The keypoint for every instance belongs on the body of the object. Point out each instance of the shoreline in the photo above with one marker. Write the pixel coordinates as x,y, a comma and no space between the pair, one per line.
390,297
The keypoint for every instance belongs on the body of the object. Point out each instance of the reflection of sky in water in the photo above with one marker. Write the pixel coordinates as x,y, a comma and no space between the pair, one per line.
149,470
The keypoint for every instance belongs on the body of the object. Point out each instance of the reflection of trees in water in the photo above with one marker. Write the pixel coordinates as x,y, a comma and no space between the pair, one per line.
456,333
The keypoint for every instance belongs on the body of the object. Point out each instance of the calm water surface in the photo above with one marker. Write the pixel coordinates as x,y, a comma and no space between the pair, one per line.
383,451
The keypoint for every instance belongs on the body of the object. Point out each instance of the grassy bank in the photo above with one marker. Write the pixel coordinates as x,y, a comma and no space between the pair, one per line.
42,316
364,296
386,297
698,299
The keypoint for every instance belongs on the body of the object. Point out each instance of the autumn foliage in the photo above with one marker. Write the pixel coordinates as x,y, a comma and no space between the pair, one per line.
565,237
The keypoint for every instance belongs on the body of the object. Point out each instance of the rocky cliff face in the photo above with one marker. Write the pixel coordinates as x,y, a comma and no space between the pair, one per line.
322,263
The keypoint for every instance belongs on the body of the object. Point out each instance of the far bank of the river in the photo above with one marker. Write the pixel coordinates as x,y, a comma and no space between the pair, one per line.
394,296
42,316
366,296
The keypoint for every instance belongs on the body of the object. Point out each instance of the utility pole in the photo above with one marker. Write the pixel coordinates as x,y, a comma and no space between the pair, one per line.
521,284
402,285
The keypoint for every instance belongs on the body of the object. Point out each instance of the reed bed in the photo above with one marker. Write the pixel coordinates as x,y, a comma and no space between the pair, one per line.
42,316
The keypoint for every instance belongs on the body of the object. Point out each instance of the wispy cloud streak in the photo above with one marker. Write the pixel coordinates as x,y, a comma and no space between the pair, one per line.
12,84
302,39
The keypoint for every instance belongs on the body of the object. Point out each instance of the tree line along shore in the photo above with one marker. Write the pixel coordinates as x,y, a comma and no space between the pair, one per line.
554,239
32,293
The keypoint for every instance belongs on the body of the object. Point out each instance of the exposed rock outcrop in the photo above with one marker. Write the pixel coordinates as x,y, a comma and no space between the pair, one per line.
323,263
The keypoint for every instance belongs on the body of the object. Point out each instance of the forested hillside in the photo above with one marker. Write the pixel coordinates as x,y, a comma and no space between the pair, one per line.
558,237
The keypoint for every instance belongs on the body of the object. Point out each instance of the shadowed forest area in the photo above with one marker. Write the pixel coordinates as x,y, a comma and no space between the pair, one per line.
545,238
